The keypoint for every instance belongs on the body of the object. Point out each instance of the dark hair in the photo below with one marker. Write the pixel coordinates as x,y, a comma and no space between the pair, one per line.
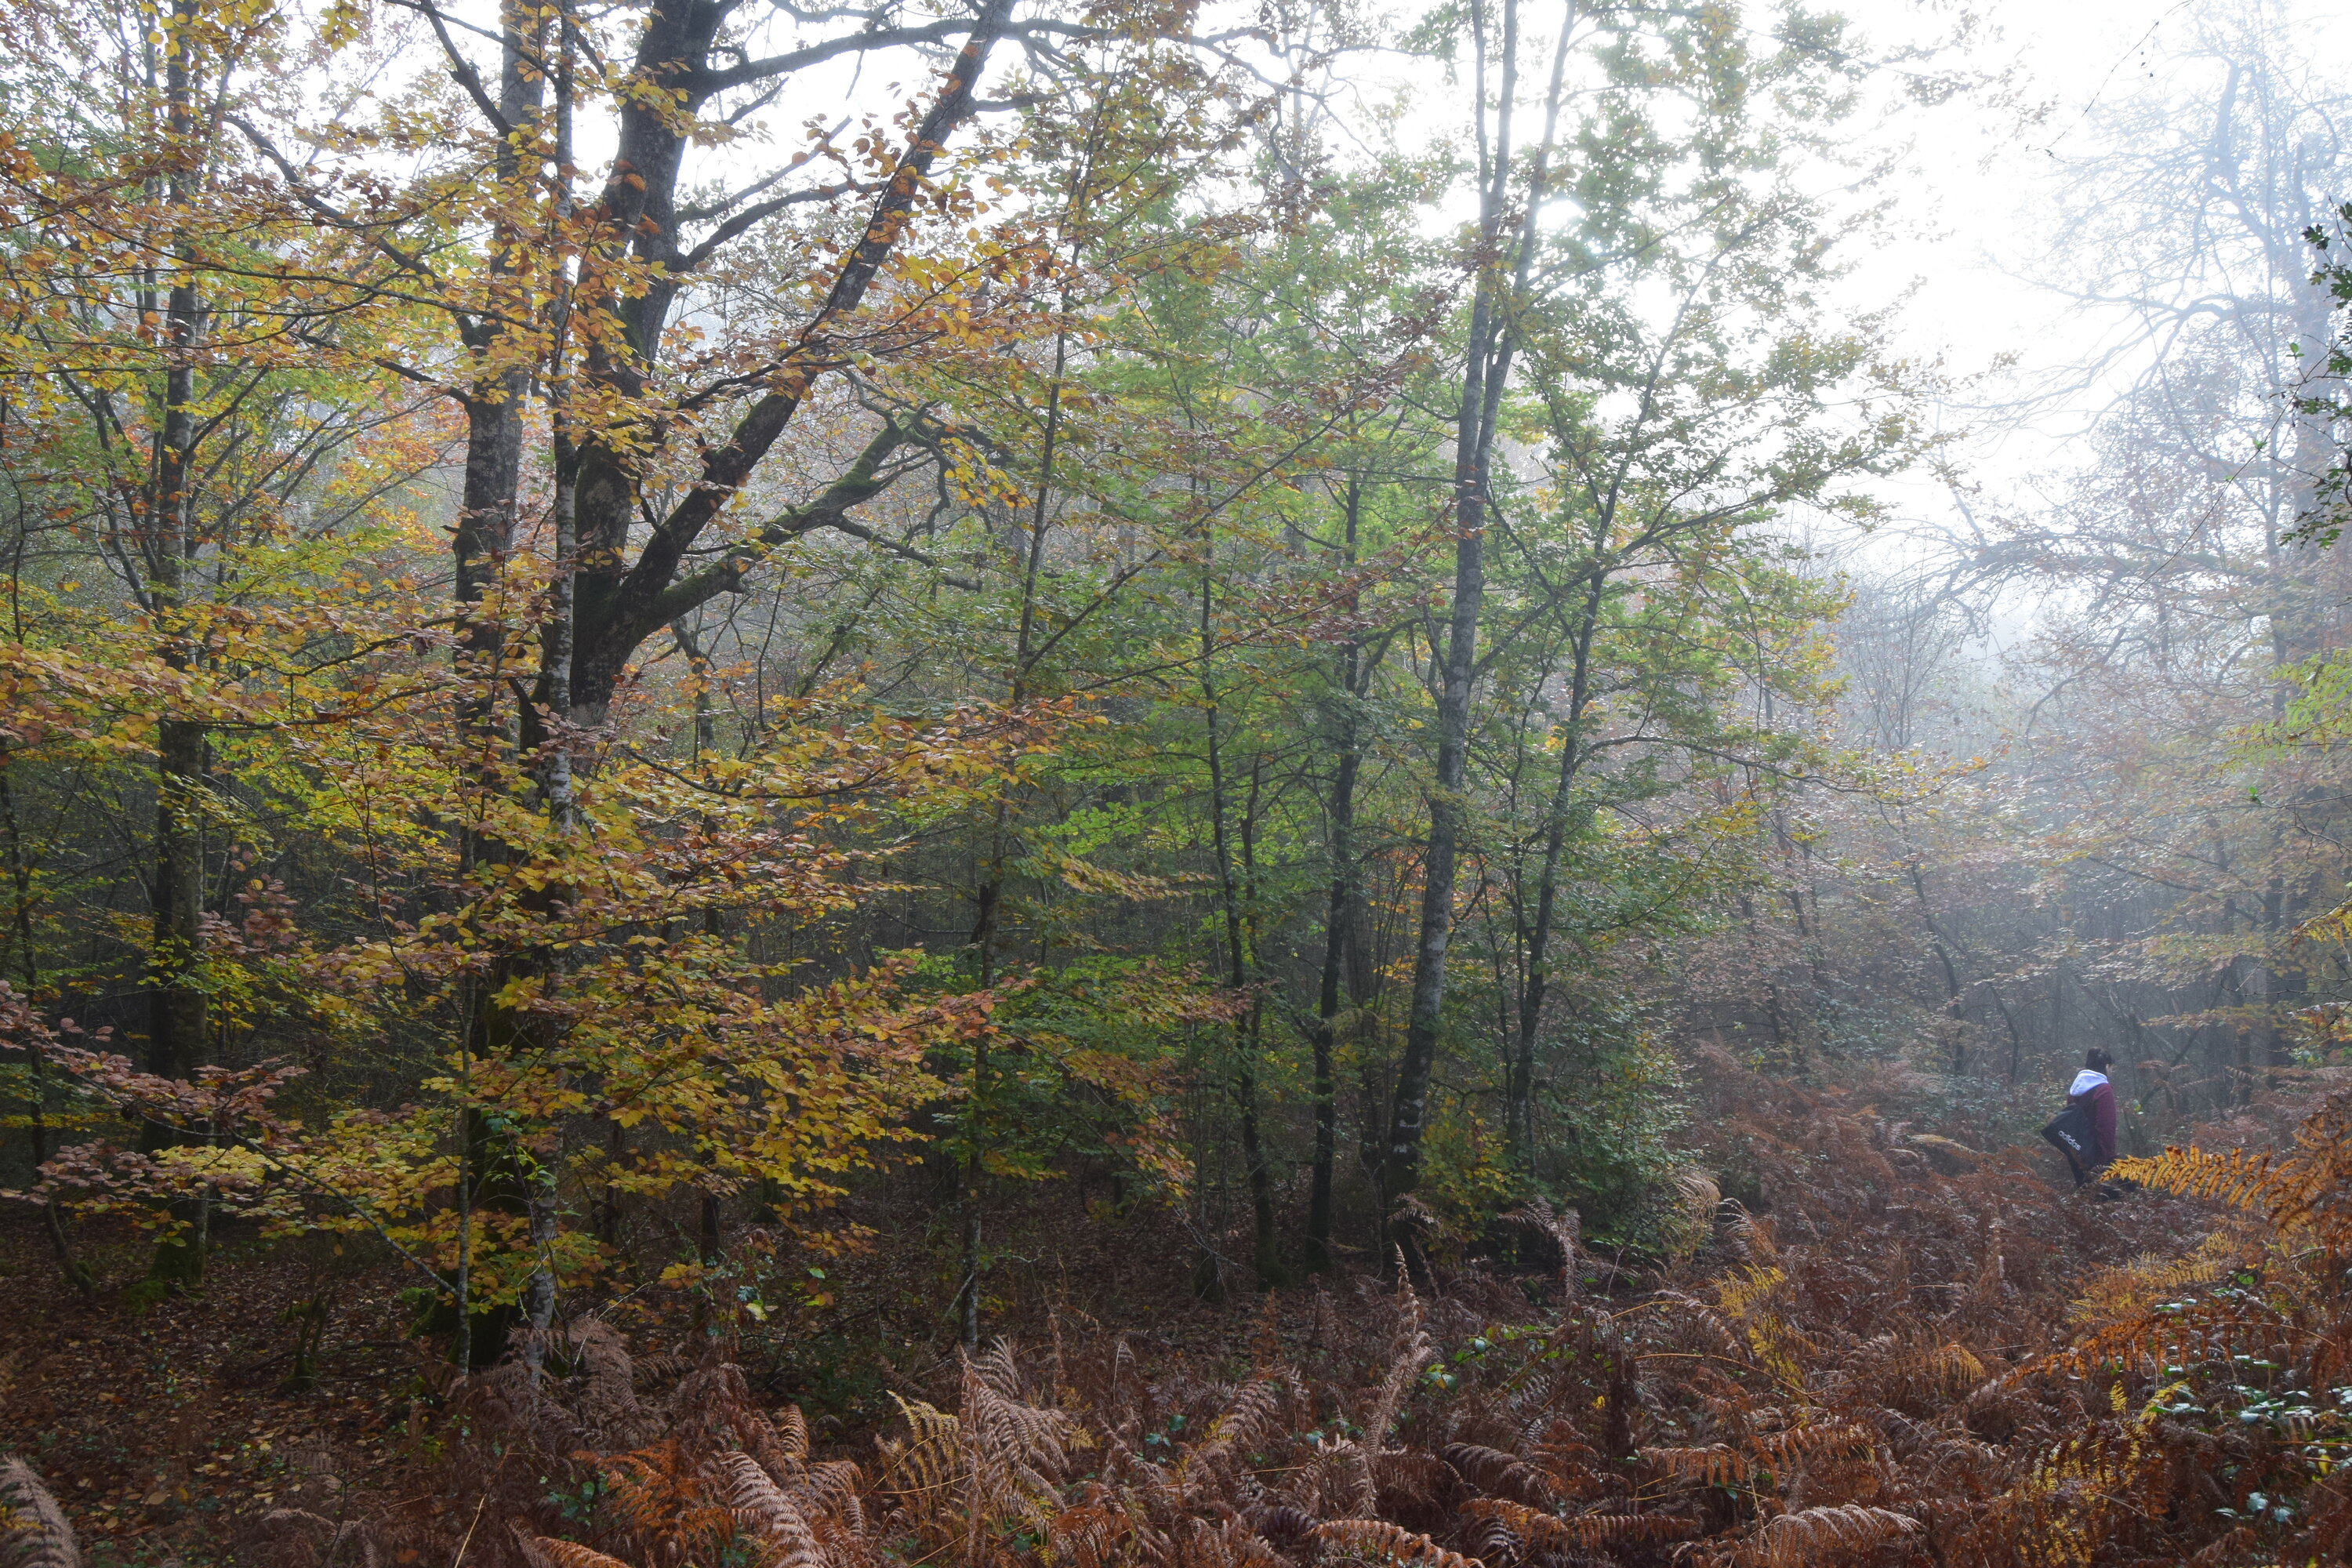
2098,1060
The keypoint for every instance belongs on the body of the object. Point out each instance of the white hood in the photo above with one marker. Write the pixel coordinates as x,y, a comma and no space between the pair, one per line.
2085,1083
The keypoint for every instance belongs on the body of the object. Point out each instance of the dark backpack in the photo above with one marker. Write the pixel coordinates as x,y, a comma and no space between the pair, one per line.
2070,1133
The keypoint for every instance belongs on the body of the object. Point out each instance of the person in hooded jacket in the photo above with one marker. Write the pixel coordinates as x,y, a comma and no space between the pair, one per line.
2092,1091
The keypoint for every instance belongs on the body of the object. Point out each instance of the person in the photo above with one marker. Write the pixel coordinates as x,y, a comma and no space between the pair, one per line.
2095,1094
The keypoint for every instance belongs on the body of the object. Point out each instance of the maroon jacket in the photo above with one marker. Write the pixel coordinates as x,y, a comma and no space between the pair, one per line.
2099,1096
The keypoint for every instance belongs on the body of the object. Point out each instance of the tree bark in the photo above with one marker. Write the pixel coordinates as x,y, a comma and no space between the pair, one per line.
1500,292
620,603
1354,675
176,1012
1264,1252
1557,820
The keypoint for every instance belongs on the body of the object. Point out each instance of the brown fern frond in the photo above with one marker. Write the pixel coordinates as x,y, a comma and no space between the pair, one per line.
1816,1535
1337,1482
1493,1470
2212,1328
1413,1353
762,1506
791,1432
1010,1435
650,1487
1581,1531
1230,1542
1781,1449
1253,1415
1014,1452
1092,1534
2259,1183
1000,1368
834,1486
1411,1477
545,1552
1490,1541
1714,1466
931,1459
1378,1540
1749,1234
1952,1368
1701,1325
34,1531
1914,1441
1699,1199
1280,1521
607,1403
2131,1290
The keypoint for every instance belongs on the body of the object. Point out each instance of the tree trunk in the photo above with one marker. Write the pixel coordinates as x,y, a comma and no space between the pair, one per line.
20,881
1557,820
176,1021
989,897
1263,1251
622,602
496,1172
1501,291
1354,673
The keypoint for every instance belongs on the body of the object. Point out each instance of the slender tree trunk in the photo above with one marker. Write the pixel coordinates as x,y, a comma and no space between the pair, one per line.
1500,292
1400,1162
989,897
1339,912
1264,1258
1265,1250
20,883
553,737
496,1172
1557,821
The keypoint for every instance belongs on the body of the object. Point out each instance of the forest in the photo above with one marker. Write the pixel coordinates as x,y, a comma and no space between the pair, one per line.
1146,784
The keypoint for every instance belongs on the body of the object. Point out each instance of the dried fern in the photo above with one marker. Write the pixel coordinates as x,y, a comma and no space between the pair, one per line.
793,1434
1253,1417
1000,1368
34,1531
929,1459
1582,1532
1017,1450
658,1497
1823,1534
1715,1465
1378,1540
1413,1351
1781,1449
1494,1471
762,1505
2129,1291
544,1551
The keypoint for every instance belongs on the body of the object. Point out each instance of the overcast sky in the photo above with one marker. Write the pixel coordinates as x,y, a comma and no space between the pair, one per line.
1981,207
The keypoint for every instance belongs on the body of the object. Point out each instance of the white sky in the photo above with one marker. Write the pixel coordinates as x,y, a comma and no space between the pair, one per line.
1975,220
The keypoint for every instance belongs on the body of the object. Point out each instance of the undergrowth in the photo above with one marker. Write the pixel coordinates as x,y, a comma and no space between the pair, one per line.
1931,1359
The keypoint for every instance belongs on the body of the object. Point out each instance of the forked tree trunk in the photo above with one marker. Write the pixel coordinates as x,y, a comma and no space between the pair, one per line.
1503,262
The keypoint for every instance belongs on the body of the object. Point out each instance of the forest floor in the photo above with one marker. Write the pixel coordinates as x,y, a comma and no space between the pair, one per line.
173,1432
169,1431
